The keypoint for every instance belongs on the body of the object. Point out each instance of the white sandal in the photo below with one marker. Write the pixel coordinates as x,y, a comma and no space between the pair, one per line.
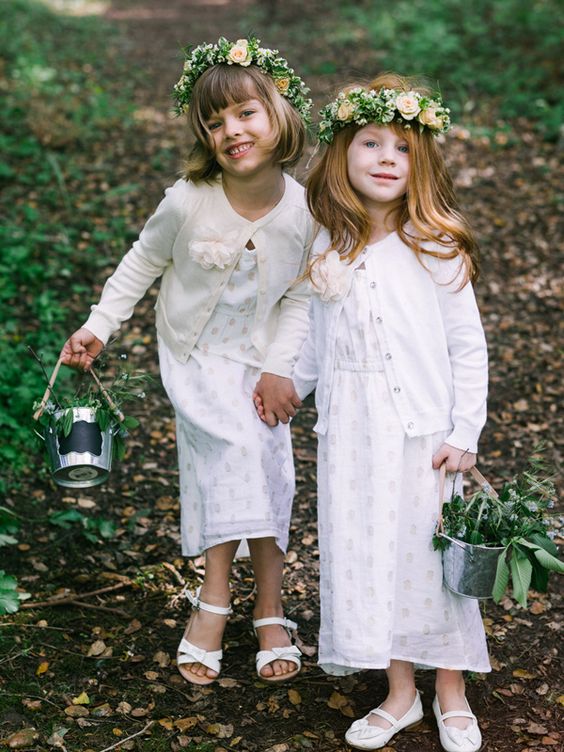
289,653
189,653
454,739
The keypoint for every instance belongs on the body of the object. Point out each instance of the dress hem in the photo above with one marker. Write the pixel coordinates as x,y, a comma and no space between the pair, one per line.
246,537
382,665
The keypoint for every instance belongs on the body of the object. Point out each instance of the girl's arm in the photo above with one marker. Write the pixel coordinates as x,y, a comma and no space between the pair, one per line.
147,259
468,359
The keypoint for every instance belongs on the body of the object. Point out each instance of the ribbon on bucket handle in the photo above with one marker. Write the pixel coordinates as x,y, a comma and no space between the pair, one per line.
485,485
39,412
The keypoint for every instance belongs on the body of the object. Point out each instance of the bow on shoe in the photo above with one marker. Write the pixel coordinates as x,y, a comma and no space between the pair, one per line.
462,737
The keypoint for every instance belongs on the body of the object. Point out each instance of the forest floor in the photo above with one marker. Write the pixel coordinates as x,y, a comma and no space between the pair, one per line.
99,669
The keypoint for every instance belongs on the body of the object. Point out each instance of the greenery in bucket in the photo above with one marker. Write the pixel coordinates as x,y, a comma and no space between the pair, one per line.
126,386
518,520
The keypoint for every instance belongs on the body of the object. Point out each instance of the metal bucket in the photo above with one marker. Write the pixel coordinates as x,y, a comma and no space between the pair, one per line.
469,569
84,457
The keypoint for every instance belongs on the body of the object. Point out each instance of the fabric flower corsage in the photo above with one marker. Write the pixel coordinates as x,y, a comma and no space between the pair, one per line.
331,277
211,248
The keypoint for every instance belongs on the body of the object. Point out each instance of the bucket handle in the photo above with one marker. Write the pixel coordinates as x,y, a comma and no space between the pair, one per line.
39,412
485,485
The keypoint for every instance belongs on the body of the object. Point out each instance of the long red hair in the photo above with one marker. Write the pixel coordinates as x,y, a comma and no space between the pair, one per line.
429,206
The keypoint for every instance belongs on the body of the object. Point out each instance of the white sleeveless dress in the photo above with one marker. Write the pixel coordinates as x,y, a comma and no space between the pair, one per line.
236,473
381,588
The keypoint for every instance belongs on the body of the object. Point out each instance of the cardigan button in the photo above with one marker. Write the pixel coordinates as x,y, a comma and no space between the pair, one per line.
397,389
411,424
373,285
388,356
378,319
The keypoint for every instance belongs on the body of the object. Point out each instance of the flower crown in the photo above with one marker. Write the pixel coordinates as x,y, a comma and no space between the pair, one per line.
362,106
242,52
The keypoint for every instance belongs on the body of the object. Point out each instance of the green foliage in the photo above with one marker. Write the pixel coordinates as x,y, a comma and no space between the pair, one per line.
59,104
518,520
492,59
9,526
10,598
92,528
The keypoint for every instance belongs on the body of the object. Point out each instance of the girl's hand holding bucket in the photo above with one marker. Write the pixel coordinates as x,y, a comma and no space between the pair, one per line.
81,349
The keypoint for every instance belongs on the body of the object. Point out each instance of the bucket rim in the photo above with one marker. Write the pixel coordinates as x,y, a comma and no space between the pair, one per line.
465,544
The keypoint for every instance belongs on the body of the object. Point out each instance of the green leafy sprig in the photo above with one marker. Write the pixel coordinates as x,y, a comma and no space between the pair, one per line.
518,520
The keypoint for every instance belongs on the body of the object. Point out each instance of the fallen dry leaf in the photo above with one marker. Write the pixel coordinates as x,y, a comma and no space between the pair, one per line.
220,730
294,696
536,728
521,673
42,668
97,648
22,739
77,711
162,658
82,699
185,724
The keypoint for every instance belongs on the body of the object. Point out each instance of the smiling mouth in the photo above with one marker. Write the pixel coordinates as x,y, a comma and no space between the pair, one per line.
238,150
385,176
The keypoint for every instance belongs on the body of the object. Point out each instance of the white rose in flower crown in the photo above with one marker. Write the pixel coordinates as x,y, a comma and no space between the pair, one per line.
331,277
408,105
429,117
239,53
345,111
213,249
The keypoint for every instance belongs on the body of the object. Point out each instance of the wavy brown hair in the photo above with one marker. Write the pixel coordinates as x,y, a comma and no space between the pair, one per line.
223,85
430,204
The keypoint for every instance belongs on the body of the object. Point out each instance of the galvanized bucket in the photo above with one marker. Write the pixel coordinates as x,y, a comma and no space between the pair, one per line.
83,458
469,569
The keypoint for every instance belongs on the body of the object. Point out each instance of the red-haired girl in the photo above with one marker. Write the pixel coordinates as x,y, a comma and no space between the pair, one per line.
397,355
229,241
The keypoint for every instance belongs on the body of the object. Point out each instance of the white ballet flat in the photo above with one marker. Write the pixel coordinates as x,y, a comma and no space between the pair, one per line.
290,653
362,735
454,739
189,653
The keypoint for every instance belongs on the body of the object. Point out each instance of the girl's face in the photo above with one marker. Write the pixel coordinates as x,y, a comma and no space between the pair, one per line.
378,165
242,138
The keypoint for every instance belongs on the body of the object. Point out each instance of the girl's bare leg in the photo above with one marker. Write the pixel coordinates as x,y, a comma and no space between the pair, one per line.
205,629
450,689
268,565
401,693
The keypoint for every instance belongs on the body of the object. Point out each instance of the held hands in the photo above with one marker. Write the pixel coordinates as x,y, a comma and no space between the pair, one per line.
457,460
275,399
81,349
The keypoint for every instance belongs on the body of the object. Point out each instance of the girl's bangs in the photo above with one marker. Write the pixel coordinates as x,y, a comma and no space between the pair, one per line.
223,86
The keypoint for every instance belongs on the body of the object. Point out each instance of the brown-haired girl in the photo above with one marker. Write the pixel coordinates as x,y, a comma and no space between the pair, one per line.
397,355
229,240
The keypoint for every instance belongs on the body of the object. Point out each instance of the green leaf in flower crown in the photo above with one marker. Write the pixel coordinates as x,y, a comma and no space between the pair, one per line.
521,573
501,577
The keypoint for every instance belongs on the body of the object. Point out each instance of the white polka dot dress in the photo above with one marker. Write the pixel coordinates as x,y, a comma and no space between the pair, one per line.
236,473
381,588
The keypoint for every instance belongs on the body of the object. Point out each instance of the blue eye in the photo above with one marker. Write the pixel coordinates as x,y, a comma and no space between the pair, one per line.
247,113
404,148
371,144
213,126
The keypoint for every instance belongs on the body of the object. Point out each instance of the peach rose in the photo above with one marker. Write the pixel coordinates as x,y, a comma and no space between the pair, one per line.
408,105
239,53
345,111
430,118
